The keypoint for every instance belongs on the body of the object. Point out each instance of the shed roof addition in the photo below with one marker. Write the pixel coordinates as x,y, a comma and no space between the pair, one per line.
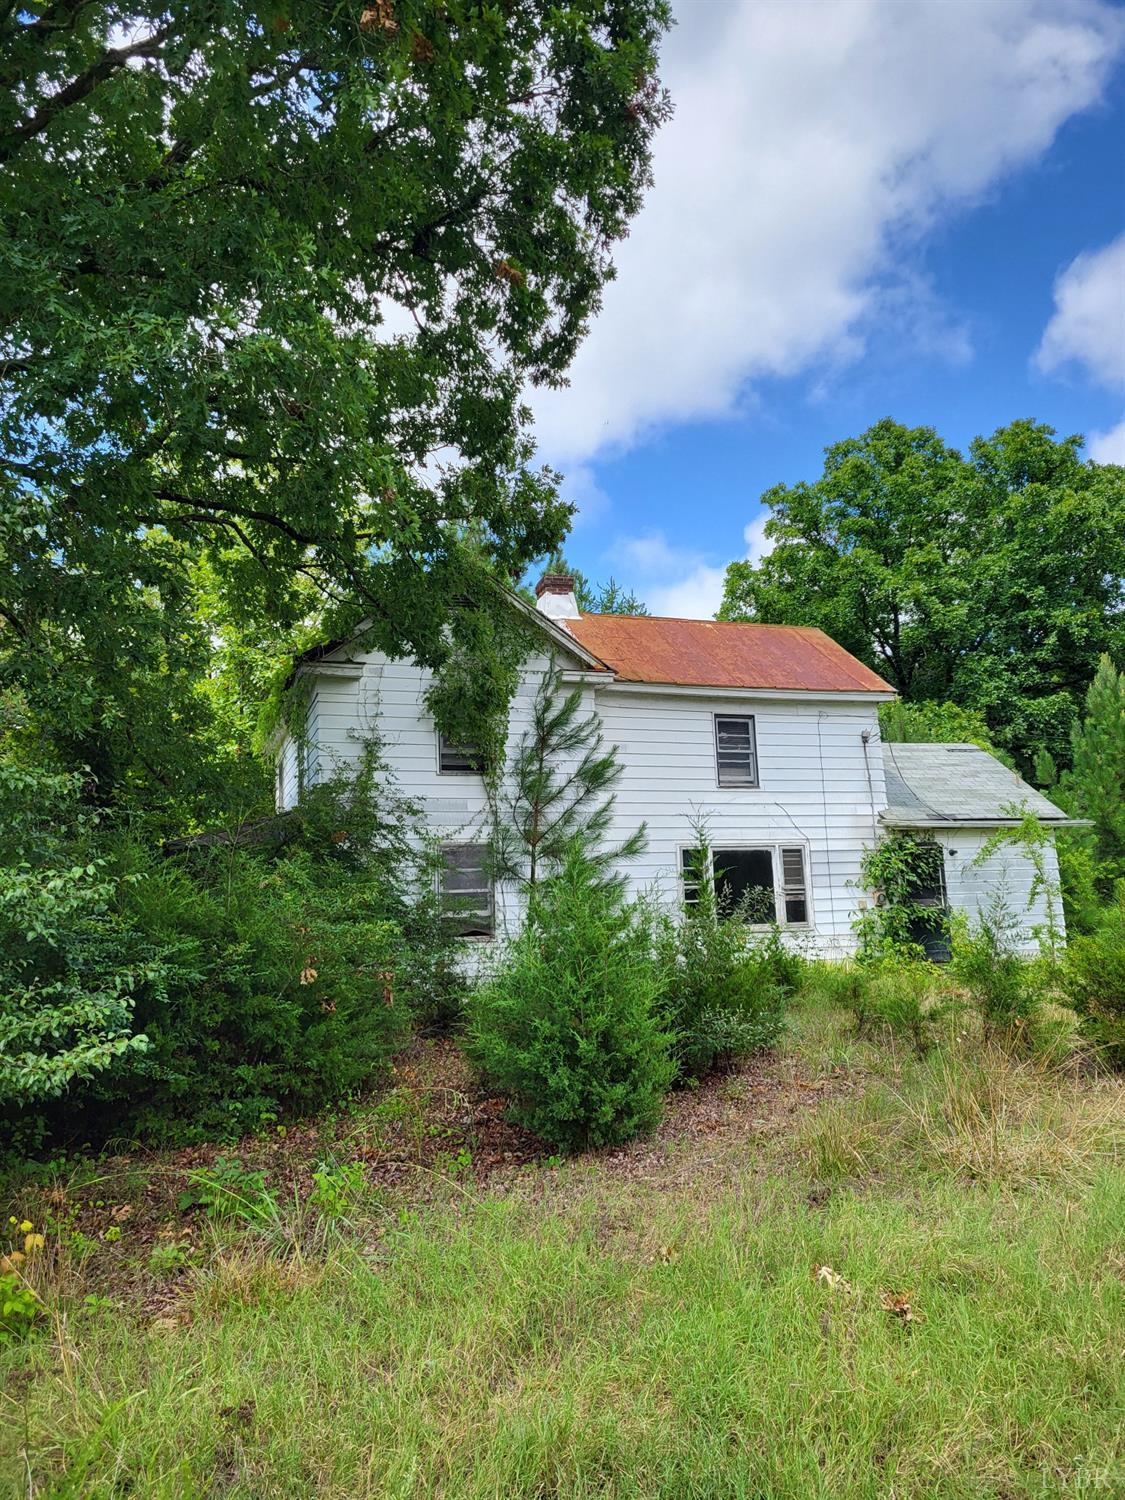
723,654
932,785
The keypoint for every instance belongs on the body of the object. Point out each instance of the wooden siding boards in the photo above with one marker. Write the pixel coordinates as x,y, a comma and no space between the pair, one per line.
813,787
819,787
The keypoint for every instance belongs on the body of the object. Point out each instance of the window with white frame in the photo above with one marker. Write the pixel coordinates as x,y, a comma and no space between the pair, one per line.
736,750
466,888
761,884
458,760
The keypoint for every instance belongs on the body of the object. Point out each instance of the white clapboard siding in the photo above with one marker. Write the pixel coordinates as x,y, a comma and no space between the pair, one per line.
1006,878
816,790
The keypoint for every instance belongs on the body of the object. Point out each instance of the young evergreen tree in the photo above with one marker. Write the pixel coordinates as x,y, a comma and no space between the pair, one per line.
1095,786
558,791
609,598
570,1025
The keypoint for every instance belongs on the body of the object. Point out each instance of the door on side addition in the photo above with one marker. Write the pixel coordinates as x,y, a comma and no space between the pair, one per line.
930,927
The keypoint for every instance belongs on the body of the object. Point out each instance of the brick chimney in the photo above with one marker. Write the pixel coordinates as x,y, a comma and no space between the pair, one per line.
554,596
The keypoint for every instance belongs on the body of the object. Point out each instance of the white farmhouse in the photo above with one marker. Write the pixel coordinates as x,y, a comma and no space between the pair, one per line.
769,734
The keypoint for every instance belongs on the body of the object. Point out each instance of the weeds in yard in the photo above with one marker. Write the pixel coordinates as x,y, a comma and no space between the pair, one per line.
945,1322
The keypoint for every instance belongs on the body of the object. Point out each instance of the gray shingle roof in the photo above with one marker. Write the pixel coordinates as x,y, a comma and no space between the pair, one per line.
928,785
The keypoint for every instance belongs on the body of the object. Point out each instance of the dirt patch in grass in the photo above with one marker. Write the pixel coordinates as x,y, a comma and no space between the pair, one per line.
132,1225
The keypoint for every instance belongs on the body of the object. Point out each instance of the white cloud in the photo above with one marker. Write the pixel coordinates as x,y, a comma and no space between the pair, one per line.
812,146
695,597
650,555
671,580
681,581
758,544
1088,324
1108,447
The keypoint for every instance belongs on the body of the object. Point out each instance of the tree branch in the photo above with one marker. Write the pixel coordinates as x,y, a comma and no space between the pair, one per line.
112,60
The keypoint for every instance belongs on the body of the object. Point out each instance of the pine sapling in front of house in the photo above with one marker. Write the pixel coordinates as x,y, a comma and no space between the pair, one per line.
558,791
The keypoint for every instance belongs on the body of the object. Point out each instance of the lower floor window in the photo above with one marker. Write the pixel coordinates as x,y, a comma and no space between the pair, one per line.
760,885
467,890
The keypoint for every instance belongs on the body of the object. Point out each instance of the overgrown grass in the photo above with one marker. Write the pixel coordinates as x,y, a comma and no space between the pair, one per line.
593,1336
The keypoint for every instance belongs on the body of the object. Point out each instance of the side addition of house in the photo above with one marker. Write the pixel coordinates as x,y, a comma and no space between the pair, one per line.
767,735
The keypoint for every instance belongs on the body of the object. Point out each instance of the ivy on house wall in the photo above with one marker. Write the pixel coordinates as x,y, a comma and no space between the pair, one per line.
892,870
472,689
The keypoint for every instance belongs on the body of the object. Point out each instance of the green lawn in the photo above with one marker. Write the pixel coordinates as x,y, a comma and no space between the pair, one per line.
650,1324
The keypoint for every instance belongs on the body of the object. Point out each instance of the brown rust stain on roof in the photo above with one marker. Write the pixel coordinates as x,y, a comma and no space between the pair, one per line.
723,654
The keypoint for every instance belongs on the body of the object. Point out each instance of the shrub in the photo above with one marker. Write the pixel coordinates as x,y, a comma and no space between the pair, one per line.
830,984
895,998
275,993
897,924
69,969
20,1308
1001,984
1094,978
247,978
723,995
568,1025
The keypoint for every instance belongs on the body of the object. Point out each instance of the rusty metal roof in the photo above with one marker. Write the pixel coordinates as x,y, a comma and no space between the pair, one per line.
723,654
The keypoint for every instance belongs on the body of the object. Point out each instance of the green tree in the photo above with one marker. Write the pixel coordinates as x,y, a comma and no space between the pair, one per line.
934,724
570,1025
609,598
992,581
1094,787
67,985
271,285
558,791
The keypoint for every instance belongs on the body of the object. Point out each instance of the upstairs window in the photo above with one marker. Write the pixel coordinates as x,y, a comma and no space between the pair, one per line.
466,890
458,760
736,750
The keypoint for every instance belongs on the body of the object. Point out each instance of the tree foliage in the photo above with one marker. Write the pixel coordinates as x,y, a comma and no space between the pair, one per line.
558,790
1095,785
569,1026
935,724
608,598
271,284
991,581
67,985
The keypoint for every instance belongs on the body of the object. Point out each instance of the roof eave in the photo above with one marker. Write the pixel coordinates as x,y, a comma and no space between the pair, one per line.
723,690
894,819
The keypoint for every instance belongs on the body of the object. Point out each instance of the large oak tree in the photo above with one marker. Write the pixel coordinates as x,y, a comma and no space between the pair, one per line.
272,281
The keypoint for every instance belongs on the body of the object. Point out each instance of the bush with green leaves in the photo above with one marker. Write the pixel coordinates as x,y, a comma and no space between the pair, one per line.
723,990
1002,985
272,995
895,925
70,968
569,1024
357,822
1094,979
248,976
895,998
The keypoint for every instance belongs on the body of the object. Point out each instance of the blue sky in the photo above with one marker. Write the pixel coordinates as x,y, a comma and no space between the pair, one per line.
861,208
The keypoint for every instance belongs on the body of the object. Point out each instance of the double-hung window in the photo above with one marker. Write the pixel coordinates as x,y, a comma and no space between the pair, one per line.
467,889
761,885
458,760
736,750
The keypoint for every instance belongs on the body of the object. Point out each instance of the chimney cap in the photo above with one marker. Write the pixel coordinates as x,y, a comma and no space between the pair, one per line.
555,583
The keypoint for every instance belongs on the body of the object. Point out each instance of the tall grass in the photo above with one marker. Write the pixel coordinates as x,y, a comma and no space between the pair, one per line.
585,1336
509,1353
